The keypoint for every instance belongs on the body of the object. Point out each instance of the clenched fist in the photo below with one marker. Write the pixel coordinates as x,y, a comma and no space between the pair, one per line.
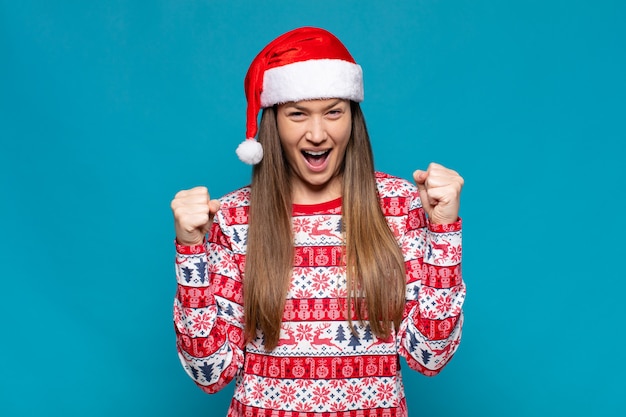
440,192
193,213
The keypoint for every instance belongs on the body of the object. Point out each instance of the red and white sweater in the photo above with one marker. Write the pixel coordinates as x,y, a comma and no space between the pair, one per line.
319,368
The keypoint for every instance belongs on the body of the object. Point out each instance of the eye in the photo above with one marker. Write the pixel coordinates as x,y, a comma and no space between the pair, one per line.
295,115
334,113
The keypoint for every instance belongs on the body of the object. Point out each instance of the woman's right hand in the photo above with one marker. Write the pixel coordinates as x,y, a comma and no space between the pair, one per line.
193,214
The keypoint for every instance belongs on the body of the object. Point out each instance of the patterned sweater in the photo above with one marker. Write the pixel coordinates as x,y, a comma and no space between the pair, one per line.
319,368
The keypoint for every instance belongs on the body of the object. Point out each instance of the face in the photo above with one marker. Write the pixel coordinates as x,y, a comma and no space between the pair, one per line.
314,135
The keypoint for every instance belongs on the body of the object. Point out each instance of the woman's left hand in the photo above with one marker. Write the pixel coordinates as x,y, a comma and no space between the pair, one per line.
440,192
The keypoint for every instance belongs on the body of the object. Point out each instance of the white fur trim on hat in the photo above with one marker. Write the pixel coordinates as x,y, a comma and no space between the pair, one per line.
313,79
250,151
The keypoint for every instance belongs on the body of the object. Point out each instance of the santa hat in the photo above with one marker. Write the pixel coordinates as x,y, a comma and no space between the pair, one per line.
303,64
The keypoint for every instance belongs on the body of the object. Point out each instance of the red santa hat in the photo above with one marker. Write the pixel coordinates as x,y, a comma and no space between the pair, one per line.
303,64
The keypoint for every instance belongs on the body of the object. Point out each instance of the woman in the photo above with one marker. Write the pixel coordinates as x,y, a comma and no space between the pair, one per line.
307,285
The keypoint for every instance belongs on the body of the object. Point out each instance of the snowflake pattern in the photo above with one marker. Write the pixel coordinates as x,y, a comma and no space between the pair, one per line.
320,365
304,332
301,225
202,323
455,254
444,304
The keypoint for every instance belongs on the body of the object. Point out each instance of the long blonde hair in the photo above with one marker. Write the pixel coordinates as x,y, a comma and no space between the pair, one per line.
374,262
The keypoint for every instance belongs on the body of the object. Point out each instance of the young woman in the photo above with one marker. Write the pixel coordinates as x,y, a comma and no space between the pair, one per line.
309,284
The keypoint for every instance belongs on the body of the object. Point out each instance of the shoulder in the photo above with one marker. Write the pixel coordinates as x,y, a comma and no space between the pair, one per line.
237,198
390,186
234,207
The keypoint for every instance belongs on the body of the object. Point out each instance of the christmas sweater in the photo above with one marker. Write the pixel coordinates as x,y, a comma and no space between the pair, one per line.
320,367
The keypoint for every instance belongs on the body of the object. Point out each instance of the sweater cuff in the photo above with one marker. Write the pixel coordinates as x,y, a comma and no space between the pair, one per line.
445,228
189,250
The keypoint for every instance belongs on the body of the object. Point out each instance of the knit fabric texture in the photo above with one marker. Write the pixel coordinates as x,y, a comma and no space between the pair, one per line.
320,366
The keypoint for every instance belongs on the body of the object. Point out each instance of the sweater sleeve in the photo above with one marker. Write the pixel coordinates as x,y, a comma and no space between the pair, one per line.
430,331
208,312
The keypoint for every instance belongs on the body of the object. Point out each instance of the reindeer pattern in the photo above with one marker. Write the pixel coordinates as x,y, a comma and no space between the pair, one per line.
319,353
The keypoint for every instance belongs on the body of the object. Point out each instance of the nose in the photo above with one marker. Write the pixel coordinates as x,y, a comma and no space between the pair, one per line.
316,133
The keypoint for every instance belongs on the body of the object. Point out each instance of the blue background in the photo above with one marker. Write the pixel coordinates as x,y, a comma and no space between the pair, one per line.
108,108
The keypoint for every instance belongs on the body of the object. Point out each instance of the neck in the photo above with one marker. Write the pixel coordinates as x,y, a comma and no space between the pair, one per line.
309,194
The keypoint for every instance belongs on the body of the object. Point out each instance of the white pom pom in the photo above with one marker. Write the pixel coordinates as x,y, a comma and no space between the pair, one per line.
250,151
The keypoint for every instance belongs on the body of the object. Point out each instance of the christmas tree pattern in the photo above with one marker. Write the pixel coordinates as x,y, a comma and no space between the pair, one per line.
339,228
413,342
188,272
354,339
315,374
236,237
194,372
229,310
415,291
207,370
367,335
201,265
341,335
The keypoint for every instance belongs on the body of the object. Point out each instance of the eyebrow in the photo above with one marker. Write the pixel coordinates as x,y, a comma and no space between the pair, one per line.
301,107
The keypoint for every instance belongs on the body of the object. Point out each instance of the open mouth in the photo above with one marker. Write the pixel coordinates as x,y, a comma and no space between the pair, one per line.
316,158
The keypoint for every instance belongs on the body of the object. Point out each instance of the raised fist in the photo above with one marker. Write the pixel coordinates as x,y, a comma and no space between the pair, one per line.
440,192
193,213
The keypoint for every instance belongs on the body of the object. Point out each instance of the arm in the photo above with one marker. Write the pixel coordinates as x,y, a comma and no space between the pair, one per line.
431,328
430,331
208,312
208,316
